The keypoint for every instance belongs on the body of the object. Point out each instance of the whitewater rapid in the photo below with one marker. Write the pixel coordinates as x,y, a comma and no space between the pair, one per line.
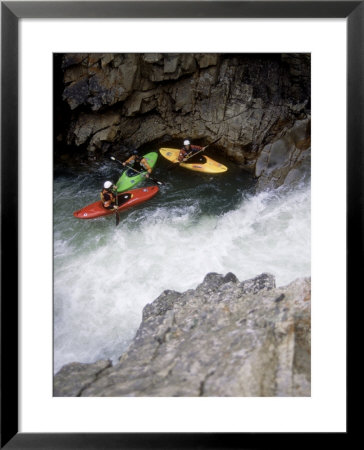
104,275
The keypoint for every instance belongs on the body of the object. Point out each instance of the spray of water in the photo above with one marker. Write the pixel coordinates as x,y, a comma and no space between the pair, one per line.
104,276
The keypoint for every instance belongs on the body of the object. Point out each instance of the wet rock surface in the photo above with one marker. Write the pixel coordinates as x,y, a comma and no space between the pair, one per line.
224,338
258,104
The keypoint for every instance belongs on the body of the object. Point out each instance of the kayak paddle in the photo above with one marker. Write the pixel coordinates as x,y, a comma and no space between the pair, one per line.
117,214
129,167
202,150
192,154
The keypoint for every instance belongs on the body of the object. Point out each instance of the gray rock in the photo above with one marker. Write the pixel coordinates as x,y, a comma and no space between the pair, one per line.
73,378
285,160
265,281
152,57
224,338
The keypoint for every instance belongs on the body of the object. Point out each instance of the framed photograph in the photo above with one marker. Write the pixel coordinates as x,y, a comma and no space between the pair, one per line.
163,218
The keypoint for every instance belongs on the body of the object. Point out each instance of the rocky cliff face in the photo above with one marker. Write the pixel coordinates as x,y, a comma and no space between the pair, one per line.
259,104
225,338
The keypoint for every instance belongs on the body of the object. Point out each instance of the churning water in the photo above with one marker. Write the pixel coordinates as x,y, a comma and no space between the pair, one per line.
104,275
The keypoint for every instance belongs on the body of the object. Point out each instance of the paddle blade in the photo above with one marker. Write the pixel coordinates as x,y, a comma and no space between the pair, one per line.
117,214
160,183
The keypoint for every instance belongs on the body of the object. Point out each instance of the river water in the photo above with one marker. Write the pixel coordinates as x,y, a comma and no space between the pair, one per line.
104,275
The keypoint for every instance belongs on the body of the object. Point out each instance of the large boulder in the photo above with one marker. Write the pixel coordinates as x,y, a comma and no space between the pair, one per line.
224,338
283,161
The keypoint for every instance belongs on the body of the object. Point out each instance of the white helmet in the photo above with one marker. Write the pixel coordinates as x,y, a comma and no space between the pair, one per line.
107,184
186,142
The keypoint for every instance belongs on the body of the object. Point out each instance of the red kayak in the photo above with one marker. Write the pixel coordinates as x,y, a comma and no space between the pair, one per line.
125,200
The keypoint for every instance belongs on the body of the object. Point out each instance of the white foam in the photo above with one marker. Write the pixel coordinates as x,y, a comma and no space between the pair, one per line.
103,281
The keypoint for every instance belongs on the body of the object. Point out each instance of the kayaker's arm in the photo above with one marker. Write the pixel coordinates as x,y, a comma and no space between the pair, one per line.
146,166
109,197
129,160
182,155
194,149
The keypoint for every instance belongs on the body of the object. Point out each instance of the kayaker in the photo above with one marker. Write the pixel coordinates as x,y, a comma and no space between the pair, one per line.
188,150
108,195
138,163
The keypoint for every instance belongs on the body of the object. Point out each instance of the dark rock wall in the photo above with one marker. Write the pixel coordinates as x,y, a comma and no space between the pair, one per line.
259,104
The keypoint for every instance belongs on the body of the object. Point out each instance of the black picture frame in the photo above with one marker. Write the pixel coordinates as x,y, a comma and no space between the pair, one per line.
11,12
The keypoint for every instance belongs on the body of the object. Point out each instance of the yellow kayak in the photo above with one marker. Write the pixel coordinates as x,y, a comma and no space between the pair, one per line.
205,164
